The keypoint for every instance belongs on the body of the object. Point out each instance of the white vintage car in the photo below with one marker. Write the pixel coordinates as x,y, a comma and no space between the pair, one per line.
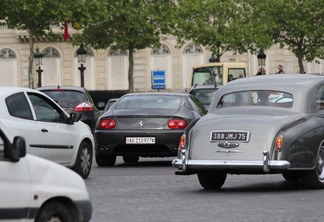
259,125
49,131
35,189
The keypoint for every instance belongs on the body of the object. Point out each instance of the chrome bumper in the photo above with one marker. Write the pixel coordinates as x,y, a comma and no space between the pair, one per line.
264,166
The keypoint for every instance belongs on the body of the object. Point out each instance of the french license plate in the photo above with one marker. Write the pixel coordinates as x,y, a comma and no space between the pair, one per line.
241,136
140,140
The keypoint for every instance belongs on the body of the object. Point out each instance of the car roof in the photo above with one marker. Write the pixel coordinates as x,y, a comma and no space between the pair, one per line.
286,82
158,94
75,88
13,89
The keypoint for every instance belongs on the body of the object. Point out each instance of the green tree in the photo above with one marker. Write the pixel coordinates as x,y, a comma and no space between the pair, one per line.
299,27
38,17
126,24
221,25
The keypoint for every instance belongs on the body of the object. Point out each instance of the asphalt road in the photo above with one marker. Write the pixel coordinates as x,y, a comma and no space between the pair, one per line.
149,191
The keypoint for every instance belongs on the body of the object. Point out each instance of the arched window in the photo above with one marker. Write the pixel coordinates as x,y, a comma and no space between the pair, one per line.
161,60
117,68
162,50
8,64
192,48
7,54
192,55
51,67
117,52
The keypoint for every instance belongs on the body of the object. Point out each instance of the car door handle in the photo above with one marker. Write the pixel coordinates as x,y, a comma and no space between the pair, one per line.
44,130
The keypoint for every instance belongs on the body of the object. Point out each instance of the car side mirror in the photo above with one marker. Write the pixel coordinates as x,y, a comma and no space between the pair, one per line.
18,149
73,118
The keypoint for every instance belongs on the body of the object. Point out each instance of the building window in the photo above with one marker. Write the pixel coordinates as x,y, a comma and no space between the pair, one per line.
117,52
162,50
7,54
51,53
192,48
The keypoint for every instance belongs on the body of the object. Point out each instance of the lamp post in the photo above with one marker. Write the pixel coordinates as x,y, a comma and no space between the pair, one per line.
261,58
213,58
38,60
81,52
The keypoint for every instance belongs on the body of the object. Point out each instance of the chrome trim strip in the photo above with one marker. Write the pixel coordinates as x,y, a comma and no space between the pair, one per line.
231,164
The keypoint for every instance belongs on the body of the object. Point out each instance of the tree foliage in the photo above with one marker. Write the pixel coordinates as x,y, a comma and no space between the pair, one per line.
299,27
38,17
126,24
220,25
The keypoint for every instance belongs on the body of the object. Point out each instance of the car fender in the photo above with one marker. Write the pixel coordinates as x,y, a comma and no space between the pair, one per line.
302,142
49,180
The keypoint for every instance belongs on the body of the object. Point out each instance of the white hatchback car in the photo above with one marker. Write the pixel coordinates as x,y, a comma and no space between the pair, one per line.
35,189
49,131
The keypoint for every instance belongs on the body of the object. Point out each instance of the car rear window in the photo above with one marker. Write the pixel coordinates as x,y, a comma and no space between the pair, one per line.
66,98
149,102
256,98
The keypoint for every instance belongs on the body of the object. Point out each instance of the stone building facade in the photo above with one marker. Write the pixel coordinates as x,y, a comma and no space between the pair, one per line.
107,69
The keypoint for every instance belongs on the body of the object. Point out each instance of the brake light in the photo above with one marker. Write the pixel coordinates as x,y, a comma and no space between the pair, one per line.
107,124
182,142
83,107
278,143
177,124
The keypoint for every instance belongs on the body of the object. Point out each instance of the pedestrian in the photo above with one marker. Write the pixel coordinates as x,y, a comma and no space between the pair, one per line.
280,69
261,71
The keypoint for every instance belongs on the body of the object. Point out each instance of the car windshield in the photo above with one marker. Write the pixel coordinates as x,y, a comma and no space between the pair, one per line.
256,97
204,95
66,98
149,102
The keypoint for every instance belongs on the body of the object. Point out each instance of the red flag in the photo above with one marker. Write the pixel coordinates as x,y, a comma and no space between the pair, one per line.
66,31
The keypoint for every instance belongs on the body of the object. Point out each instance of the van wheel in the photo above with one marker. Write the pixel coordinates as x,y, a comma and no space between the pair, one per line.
83,161
212,180
55,211
105,160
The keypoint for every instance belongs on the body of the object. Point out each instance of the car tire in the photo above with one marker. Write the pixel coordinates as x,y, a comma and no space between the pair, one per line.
130,159
314,179
55,211
105,160
83,161
212,180
292,175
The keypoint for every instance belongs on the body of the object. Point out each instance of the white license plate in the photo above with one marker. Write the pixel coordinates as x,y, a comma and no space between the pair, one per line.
140,140
227,135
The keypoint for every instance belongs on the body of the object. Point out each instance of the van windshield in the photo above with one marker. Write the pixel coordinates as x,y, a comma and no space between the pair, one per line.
208,76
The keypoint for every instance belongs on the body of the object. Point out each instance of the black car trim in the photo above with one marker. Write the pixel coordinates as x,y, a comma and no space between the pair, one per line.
85,208
17,213
47,146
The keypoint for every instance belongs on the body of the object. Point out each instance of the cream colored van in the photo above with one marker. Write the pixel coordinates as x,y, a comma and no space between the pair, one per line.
217,73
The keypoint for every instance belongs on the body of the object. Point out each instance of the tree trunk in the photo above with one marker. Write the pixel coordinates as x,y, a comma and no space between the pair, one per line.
300,63
131,69
31,60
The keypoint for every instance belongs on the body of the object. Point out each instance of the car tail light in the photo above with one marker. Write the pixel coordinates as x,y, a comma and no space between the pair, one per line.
278,143
107,124
83,107
177,124
182,142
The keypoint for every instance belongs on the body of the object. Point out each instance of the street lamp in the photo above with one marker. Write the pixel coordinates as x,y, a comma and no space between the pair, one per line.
81,52
38,60
261,58
213,58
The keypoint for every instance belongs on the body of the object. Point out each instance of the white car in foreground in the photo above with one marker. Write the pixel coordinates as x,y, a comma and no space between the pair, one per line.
35,189
49,131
